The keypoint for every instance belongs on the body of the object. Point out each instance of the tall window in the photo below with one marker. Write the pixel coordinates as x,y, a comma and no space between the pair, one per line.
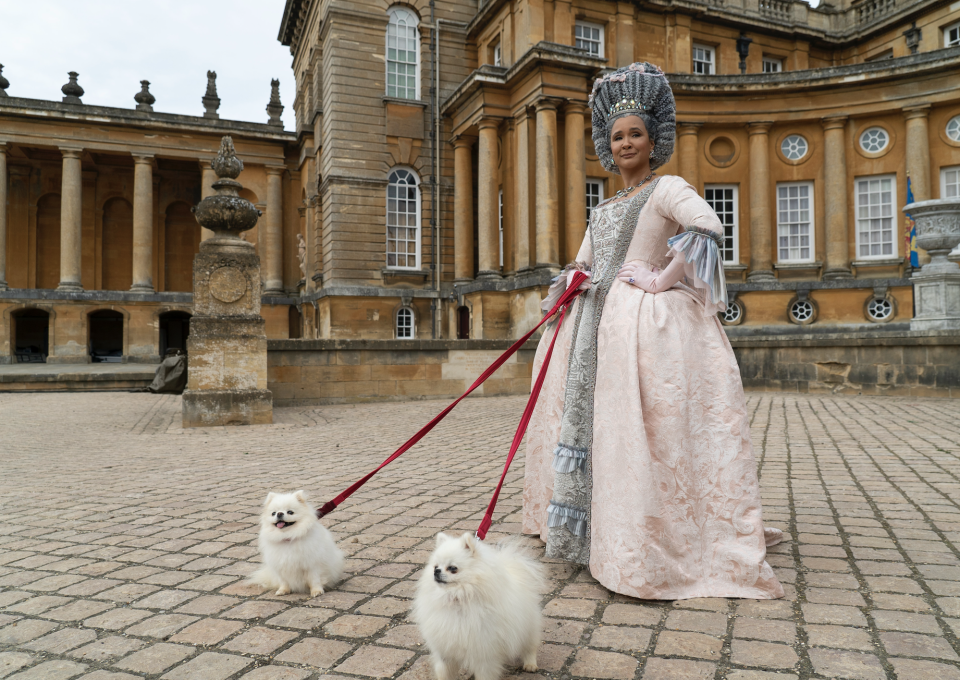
704,61
875,217
403,220
589,37
594,196
772,65
724,200
795,222
405,323
950,182
403,54
951,35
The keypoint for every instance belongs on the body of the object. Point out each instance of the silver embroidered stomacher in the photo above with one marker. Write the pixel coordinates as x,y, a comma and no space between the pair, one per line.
568,515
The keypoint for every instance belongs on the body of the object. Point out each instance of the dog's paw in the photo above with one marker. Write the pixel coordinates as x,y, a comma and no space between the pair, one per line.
283,590
530,668
316,592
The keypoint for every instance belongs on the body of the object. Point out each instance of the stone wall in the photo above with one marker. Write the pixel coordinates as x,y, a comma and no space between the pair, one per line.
861,361
337,372
889,362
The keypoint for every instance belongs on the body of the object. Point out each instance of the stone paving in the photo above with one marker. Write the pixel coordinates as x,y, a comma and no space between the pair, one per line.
125,541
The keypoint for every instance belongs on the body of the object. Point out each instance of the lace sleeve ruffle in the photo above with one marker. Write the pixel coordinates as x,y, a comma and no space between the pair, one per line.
703,267
559,285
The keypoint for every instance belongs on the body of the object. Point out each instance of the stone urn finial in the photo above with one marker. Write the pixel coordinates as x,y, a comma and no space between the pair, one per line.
72,90
274,107
143,98
226,213
4,83
211,102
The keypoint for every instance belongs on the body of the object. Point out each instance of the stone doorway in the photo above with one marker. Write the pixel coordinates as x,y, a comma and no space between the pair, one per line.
106,336
31,331
174,329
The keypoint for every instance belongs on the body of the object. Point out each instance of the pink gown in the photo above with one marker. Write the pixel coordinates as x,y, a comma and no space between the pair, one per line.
676,509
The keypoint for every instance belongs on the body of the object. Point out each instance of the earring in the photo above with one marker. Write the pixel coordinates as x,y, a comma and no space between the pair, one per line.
651,154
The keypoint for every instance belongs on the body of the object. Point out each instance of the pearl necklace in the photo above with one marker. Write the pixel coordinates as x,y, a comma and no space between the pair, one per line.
626,190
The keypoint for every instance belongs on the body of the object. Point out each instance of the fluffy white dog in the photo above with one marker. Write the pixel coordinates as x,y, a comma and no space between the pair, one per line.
299,554
478,607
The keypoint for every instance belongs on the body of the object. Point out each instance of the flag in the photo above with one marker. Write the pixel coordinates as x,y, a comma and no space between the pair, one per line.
911,231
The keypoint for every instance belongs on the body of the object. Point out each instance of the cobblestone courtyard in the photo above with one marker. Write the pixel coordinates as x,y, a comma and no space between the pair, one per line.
125,542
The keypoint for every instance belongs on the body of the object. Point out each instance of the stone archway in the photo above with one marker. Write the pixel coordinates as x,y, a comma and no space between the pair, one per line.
174,329
30,331
117,245
105,329
48,242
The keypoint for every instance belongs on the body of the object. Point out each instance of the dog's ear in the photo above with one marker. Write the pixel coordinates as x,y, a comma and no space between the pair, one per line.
470,542
301,496
270,497
442,538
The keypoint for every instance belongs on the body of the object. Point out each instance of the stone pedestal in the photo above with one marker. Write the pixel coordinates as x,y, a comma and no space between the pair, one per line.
227,345
936,287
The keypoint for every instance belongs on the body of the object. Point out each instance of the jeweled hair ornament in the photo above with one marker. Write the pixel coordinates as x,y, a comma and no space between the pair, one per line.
640,89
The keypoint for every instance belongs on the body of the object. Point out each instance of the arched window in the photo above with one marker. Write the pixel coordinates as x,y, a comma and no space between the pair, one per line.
403,220
405,323
403,54
117,245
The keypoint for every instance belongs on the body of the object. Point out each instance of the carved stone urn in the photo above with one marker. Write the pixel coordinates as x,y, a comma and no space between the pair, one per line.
936,287
227,345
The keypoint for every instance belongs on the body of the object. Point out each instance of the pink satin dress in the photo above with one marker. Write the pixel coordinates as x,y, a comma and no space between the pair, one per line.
676,509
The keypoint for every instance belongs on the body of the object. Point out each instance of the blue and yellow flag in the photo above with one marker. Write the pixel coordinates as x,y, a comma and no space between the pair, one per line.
911,231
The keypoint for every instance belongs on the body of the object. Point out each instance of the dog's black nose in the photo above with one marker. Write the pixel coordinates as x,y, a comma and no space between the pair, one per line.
279,515
437,575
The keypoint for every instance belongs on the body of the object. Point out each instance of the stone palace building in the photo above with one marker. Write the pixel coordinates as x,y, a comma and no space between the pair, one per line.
442,171
454,171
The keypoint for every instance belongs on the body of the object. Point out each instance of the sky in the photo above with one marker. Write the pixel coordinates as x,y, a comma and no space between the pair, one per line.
114,44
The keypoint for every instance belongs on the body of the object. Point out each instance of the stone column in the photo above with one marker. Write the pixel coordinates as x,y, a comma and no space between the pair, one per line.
522,230
487,212
548,227
835,198
273,281
689,147
918,150
142,223
463,209
761,268
206,189
71,194
576,172
3,216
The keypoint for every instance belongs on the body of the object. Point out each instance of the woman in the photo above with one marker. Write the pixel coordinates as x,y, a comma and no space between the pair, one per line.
638,457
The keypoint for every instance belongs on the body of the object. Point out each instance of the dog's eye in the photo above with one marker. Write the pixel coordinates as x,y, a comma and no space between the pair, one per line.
289,512
274,514
452,569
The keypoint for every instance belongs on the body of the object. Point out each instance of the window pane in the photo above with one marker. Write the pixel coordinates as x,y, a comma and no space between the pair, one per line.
875,212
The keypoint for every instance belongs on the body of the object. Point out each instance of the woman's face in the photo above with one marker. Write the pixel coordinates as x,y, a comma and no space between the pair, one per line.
630,143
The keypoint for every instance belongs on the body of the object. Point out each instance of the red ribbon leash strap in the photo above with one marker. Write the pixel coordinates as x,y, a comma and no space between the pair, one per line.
566,298
521,430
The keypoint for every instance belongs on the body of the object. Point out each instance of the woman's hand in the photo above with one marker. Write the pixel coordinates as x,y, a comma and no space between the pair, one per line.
583,286
641,277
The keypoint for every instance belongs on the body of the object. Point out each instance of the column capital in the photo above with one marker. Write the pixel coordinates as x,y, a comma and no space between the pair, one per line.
759,128
205,165
688,128
834,122
461,141
143,158
275,169
4,147
70,151
574,107
546,104
488,122
918,111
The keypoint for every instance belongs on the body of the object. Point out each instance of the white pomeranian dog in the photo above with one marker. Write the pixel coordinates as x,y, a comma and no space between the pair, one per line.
478,607
299,554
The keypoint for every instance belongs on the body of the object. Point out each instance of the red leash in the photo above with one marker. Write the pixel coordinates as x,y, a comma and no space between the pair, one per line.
567,297
521,430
